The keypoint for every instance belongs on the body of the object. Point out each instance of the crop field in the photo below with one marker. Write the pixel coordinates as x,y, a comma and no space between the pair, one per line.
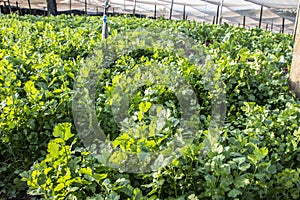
252,151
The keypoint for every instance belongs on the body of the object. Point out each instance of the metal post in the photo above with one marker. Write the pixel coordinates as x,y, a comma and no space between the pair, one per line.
244,21
272,26
17,5
283,21
85,6
221,12
183,16
294,78
213,22
29,5
267,26
47,13
171,9
155,11
9,8
97,11
134,6
104,27
260,17
70,6
217,19
296,21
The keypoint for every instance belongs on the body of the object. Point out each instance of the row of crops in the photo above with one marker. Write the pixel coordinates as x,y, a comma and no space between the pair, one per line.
256,156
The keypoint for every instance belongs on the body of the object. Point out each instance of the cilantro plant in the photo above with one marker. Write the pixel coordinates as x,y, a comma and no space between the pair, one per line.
40,152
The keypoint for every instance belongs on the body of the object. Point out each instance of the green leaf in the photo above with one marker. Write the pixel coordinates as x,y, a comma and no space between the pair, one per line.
244,166
59,187
53,149
258,154
99,177
63,131
234,193
87,171
241,181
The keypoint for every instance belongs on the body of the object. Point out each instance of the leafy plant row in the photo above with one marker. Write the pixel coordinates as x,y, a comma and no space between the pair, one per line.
258,152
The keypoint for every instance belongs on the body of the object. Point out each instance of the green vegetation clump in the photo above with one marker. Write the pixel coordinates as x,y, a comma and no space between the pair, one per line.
258,156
